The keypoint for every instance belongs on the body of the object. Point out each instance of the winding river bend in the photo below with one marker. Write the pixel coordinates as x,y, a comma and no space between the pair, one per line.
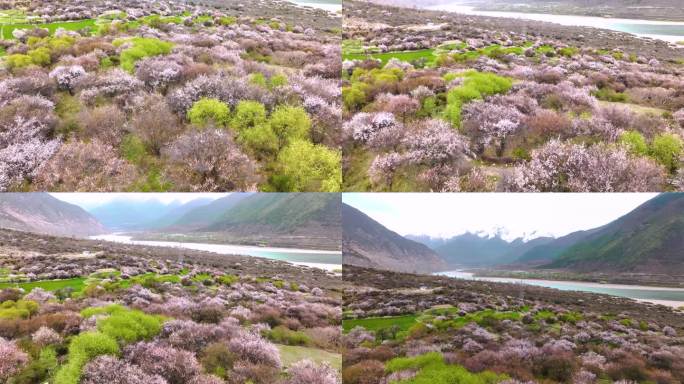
673,297
671,31
327,260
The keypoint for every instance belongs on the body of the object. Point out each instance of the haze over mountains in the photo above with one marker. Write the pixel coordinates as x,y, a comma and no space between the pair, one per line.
297,219
649,239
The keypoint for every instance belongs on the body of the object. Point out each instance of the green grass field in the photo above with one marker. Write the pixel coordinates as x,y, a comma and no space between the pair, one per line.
376,323
291,354
427,54
77,284
6,29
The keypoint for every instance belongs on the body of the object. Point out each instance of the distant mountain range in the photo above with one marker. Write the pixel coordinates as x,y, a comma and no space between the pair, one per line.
649,239
42,213
473,250
284,219
367,243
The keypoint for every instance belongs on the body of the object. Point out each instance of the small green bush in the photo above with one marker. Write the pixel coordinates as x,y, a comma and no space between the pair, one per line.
248,114
308,167
207,110
260,140
142,47
39,370
125,325
433,370
635,142
228,279
228,20
18,61
20,309
133,149
284,335
475,86
82,349
40,56
290,124
608,94
667,149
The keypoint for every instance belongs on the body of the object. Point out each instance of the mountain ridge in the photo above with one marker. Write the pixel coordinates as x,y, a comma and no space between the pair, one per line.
367,243
40,212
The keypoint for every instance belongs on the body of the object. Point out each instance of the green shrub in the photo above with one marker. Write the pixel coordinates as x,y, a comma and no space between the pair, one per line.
277,81
38,370
142,47
125,325
608,94
20,309
207,110
260,140
228,20
290,124
82,349
284,335
258,79
666,149
248,114
133,149
354,96
228,279
40,56
218,360
18,61
308,167
635,142
433,370
475,86
568,51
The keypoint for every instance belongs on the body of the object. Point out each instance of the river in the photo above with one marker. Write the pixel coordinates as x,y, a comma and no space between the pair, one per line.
327,260
673,297
671,31
328,5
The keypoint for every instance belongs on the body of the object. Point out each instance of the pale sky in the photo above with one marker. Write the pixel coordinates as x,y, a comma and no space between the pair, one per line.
527,215
92,200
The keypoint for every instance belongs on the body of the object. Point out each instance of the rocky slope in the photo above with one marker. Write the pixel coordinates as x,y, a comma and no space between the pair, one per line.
368,243
42,213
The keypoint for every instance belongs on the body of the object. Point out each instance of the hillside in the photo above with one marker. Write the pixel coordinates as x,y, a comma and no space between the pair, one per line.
287,213
367,243
175,214
648,239
42,213
205,215
546,252
299,220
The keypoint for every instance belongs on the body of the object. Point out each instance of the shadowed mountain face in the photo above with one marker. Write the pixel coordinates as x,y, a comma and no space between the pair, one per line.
42,213
368,243
648,239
